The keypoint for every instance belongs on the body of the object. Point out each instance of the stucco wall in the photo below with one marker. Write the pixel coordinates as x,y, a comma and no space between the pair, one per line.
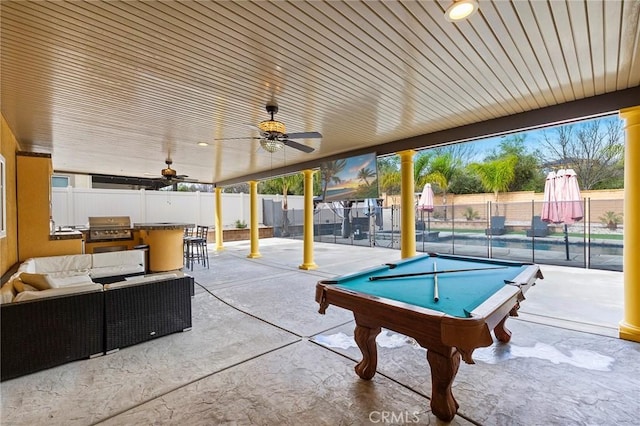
520,206
9,243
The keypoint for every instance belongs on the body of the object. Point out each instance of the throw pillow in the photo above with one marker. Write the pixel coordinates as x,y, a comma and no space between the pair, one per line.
7,293
39,281
20,286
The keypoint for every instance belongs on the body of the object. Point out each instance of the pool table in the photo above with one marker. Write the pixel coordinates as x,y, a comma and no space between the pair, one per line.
473,297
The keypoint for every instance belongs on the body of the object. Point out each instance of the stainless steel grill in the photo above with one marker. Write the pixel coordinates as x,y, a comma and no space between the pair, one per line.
108,228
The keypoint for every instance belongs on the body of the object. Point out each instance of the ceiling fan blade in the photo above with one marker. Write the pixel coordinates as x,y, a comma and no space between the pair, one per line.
298,146
304,135
231,139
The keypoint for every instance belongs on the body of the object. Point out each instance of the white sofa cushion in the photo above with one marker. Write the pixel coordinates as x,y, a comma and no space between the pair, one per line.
67,263
140,280
112,271
115,258
31,295
28,265
117,263
69,281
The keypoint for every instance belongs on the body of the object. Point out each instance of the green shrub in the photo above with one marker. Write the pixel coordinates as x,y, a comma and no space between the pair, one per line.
470,214
611,219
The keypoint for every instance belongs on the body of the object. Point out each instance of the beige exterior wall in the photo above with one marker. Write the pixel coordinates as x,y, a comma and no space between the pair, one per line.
518,207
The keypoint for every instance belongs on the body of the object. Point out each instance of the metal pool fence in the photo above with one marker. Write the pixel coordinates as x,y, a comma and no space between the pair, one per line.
512,231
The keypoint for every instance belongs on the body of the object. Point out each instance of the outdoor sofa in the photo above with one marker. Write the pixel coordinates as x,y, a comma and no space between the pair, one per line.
57,309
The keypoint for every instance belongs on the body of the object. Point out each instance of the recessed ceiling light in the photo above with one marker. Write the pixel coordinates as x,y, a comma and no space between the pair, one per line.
203,144
461,9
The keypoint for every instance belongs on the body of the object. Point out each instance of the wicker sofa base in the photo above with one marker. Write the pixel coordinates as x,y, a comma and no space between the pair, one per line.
45,333
51,331
137,313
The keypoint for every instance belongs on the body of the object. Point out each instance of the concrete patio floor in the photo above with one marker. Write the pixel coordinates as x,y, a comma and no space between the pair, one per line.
260,354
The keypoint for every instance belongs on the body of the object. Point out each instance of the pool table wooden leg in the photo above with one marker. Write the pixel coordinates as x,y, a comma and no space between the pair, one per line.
365,337
502,333
443,372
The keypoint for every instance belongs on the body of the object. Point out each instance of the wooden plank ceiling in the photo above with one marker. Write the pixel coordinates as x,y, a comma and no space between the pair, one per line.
114,87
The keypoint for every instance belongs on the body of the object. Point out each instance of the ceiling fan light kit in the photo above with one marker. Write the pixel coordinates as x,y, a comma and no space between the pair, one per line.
272,126
168,173
271,145
461,9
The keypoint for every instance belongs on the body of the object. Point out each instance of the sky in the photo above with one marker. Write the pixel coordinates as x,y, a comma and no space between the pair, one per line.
483,147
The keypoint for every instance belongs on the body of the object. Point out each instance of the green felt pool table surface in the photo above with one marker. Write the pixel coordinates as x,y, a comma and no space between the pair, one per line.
459,292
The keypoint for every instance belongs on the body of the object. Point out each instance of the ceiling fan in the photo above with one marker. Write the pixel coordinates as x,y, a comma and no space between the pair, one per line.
170,176
274,136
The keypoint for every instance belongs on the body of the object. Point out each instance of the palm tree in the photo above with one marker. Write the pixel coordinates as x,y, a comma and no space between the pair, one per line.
364,174
421,167
328,173
441,171
389,175
496,175
284,184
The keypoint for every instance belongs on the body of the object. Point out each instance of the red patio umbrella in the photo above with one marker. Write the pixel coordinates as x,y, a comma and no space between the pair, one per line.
425,203
573,204
550,205
562,203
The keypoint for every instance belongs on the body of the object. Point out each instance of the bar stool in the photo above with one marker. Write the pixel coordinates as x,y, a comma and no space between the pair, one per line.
200,242
188,247
195,247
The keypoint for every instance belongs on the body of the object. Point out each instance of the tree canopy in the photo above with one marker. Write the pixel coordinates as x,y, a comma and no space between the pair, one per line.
496,175
594,149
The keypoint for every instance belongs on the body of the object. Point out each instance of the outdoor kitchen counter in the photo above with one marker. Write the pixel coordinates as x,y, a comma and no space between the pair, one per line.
162,226
165,244
65,235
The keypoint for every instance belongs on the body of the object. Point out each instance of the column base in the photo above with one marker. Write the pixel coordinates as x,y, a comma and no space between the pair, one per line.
220,248
629,332
254,255
308,266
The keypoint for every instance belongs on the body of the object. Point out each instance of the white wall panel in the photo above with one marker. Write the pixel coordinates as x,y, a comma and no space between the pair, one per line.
74,206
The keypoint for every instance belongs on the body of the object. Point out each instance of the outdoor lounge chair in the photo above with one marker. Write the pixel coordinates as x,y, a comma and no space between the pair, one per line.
496,227
538,228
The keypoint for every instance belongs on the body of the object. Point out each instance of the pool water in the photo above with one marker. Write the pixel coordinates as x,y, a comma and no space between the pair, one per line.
596,249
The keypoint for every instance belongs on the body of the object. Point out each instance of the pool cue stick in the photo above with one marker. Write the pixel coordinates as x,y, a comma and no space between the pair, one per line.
446,271
435,283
